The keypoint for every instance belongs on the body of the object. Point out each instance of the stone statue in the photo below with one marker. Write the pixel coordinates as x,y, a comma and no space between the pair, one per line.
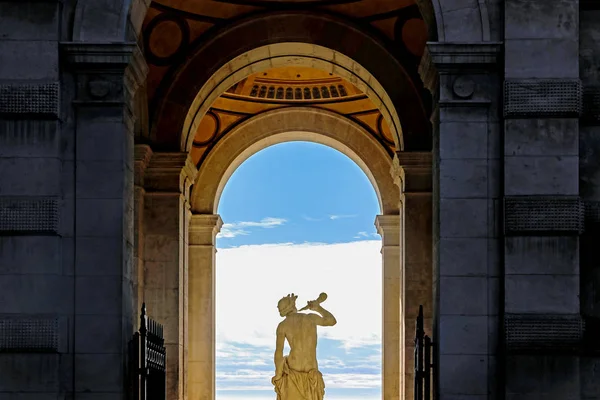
297,375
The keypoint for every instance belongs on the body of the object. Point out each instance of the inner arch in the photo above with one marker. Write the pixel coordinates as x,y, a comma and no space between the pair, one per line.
294,124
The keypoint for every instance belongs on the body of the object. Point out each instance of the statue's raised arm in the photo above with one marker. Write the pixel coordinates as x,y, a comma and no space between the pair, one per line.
297,375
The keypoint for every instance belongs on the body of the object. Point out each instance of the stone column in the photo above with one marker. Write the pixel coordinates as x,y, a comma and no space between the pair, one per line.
201,288
466,197
415,181
542,207
166,215
390,229
104,78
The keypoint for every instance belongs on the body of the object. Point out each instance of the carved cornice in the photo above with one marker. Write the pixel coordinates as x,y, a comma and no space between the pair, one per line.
412,171
465,57
170,172
104,70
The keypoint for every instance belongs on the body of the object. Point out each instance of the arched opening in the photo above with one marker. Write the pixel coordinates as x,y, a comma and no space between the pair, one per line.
248,138
297,216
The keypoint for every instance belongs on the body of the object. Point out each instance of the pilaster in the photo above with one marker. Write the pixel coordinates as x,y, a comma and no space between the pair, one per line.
201,328
465,196
166,215
105,76
413,172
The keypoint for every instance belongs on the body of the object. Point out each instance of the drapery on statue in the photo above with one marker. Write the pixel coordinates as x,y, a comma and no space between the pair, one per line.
297,375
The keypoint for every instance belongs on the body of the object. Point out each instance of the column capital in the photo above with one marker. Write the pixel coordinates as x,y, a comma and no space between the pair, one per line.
388,227
170,172
412,171
204,228
108,74
461,57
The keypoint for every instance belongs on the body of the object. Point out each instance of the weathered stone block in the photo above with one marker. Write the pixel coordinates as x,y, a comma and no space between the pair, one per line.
462,24
100,217
542,97
463,334
98,334
463,257
545,333
463,218
29,373
541,175
543,215
30,255
541,19
541,58
53,294
463,374
463,140
20,60
41,99
99,256
99,373
544,294
542,255
100,179
29,334
463,178
29,138
541,137
29,20
30,176
549,377
463,296
102,140
98,295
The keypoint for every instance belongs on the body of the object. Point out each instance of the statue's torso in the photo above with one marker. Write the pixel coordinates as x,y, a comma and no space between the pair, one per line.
301,334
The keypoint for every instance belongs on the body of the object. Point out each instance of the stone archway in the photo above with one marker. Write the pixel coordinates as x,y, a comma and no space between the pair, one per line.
264,130
251,44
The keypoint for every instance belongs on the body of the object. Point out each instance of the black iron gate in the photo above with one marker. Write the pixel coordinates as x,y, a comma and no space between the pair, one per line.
423,364
147,360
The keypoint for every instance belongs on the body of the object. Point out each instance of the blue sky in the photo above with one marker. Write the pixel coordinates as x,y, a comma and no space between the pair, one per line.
298,217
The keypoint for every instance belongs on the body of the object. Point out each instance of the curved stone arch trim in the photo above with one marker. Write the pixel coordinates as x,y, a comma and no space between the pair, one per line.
288,54
454,17
369,56
294,124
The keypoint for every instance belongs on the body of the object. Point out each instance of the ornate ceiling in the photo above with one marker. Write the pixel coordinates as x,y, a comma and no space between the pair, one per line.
172,27
288,87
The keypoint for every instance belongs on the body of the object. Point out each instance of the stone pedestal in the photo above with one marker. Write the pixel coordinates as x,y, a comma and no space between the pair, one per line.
201,297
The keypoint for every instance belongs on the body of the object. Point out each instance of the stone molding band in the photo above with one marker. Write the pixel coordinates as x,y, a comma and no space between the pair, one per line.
29,334
539,215
29,215
525,98
543,332
30,99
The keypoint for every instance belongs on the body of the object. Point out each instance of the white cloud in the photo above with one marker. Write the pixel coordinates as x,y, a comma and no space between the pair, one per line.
334,217
251,279
231,230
